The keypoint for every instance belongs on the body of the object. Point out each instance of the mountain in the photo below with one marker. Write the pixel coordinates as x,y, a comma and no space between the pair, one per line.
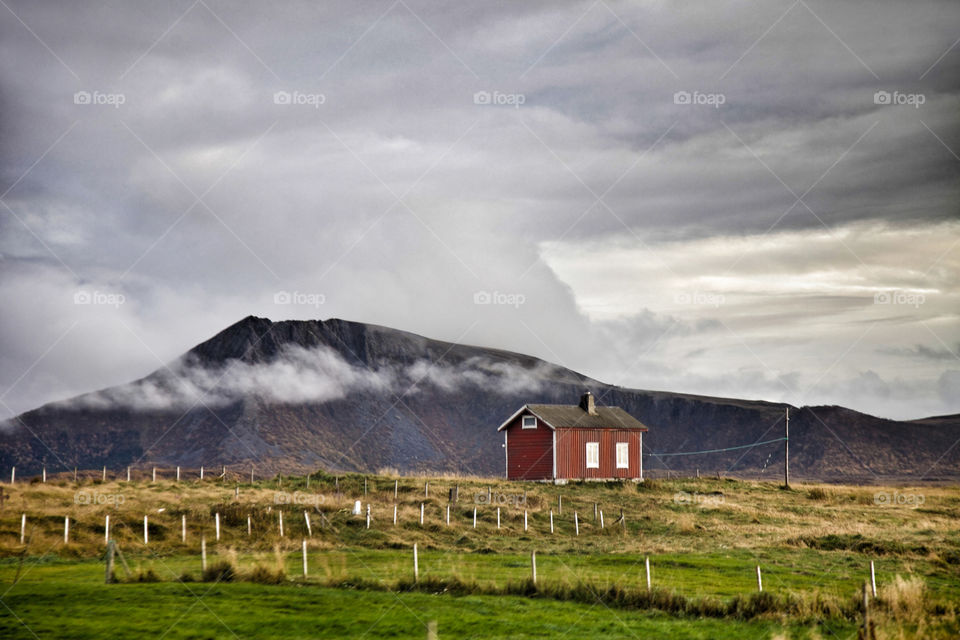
347,396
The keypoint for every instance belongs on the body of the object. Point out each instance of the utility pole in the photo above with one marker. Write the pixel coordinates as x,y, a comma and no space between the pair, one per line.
786,451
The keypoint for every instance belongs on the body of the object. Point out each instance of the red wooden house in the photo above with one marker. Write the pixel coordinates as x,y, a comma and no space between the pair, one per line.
561,442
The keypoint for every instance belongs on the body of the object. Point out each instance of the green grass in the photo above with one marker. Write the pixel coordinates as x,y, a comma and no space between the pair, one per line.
704,537
70,600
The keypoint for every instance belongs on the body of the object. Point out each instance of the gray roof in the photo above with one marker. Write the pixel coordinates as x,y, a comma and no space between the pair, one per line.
571,415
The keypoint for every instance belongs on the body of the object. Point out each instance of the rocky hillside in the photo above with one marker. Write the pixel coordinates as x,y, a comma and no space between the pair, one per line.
298,395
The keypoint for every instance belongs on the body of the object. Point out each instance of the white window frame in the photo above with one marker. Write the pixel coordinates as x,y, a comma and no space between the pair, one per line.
623,463
523,422
594,448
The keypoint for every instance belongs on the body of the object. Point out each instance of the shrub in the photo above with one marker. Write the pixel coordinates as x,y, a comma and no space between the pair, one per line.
219,572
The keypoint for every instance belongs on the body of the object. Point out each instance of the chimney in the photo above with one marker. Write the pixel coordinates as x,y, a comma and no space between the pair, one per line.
586,403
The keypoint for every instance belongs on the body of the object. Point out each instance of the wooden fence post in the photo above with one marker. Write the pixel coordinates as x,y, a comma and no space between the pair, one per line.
866,612
560,504
432,630
594,511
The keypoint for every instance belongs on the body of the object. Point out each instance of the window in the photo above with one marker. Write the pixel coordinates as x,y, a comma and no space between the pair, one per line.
529,422
593,455
623,455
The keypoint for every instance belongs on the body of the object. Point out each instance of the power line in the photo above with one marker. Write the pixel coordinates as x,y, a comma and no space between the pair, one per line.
693,453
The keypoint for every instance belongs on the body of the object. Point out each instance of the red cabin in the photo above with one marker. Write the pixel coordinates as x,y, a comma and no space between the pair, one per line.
562,442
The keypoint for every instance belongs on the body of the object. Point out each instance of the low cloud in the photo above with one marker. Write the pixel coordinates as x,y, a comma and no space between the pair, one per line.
299,375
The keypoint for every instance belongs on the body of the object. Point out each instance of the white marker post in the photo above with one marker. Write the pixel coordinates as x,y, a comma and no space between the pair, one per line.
551,520
448,515
249,526
183,528
201,472
154,475
525,522
44,475
280,516
394,515
106,529
601,518
128,474
216,520
396,488
498,517
306,518
203,554
646,562
416,564
66,530
759,580
104,477
533,567
873,580
368,516
178,474
23,527
421,514
146,534
304,545
474,517
576,522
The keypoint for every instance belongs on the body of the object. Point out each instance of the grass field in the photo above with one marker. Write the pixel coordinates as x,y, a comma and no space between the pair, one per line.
704,539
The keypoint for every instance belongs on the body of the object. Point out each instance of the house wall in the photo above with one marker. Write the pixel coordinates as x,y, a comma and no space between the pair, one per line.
572,453
529,451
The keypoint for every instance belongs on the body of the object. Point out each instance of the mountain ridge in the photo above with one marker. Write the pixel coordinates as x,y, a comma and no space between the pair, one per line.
295,395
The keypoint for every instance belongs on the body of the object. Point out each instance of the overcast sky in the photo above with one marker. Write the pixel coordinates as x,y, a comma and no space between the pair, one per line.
756,200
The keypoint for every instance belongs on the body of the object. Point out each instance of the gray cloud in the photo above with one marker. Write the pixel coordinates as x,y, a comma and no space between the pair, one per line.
296,198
